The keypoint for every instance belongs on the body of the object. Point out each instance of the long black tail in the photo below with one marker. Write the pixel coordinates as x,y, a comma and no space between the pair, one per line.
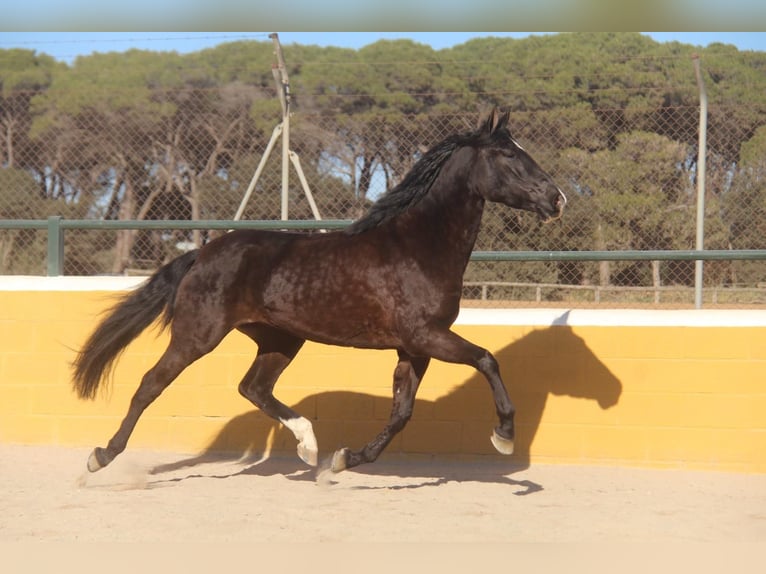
125,321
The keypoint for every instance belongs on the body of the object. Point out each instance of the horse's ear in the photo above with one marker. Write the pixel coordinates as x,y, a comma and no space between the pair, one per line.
493,119
486,119
501,119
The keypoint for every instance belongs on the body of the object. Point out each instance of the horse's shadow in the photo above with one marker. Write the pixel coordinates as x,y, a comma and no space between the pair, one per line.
544,362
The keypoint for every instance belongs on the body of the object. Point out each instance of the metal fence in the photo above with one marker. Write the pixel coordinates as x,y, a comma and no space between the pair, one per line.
630,173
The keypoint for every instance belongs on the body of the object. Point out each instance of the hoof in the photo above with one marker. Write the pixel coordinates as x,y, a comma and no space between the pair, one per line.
93,463
338,462
307,455
502,445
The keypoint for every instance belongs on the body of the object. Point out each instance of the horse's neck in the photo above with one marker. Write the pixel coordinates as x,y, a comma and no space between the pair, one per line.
447,223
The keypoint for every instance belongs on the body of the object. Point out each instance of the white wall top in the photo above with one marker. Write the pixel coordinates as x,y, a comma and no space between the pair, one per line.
467,316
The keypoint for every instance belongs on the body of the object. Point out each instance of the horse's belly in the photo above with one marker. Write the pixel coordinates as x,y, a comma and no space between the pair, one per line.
342,330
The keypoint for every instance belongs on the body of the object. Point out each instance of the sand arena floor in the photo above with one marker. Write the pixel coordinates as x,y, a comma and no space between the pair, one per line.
161,496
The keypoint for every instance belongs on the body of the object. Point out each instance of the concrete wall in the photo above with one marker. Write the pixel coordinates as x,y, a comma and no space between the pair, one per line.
628,387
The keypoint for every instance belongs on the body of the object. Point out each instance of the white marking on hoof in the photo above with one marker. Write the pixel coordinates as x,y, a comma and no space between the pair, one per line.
502,445
338,462
93,464
301,427
308,456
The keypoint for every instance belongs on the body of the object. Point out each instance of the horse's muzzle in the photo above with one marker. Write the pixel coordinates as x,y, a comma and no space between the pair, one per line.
557,207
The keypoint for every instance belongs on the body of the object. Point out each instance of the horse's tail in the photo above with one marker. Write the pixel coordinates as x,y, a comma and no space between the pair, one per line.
125,321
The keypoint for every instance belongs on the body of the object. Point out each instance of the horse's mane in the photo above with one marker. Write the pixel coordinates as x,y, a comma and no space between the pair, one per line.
412,188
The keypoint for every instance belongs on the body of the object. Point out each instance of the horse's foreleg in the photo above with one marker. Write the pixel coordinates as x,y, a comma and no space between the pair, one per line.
503,435
407,376
450,347
276,350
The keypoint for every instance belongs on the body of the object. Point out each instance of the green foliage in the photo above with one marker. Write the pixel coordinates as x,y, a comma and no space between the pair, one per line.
23,70
744,206
613,117
23,75
21,251
112,83
20,198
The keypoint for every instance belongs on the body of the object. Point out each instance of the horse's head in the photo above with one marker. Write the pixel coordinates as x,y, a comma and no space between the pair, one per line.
506,173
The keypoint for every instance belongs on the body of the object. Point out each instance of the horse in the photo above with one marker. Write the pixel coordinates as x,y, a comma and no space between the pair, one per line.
390,280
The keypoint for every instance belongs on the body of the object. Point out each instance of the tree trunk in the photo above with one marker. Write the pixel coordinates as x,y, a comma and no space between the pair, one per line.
125,237
193,198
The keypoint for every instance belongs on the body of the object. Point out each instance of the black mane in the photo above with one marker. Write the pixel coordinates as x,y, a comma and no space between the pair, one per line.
413,187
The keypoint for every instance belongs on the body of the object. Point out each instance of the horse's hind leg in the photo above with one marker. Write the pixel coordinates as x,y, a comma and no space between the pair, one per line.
276,349
407,376
181,352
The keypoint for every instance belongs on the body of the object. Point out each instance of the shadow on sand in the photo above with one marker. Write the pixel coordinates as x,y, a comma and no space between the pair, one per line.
547,361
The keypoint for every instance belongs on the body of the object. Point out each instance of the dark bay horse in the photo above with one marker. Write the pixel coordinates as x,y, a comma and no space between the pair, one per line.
391,280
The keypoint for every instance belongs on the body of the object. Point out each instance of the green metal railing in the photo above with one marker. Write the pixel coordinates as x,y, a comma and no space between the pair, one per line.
56,227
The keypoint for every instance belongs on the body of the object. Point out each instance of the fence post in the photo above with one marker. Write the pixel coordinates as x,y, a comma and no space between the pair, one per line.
55,246
283,91
702,150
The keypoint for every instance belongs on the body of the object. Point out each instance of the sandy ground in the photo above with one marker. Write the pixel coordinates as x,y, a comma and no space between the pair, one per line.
160,496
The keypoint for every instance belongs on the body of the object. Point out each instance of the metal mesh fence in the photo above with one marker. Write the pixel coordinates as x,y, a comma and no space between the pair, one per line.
629,171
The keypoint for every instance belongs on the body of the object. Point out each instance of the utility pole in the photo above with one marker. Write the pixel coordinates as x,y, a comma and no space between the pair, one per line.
279,71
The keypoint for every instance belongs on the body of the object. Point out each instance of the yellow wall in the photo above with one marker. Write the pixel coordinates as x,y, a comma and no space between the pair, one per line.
645,394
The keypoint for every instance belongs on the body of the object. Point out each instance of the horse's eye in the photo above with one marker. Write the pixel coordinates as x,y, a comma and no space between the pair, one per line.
509,151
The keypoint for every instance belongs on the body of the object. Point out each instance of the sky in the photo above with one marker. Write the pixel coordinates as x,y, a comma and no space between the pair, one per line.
407,15
66,46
